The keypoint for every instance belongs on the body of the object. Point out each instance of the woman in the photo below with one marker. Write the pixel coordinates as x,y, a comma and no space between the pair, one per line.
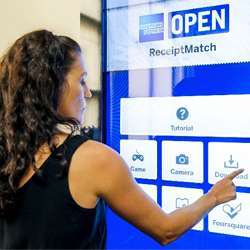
54,181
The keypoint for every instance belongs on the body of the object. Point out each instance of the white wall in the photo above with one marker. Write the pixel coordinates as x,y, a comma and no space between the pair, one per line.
18,17
92,9
90,41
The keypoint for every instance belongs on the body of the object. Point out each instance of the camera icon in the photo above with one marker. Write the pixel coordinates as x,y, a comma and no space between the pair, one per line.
182,159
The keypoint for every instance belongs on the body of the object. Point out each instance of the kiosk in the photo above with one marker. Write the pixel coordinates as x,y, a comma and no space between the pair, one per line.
176,102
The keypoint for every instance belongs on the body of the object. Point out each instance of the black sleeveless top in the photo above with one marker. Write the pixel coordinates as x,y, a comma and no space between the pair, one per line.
47,217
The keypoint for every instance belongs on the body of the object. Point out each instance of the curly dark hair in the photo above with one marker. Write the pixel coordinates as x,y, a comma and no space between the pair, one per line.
32,78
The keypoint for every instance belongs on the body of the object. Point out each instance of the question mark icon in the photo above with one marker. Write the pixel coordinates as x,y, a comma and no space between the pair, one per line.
182,113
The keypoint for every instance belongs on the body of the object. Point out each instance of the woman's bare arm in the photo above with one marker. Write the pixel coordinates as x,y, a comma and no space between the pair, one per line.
115,183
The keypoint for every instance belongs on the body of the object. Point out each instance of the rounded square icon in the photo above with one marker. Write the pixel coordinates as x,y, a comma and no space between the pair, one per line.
182,161
225,157
178,197
231,218
141,157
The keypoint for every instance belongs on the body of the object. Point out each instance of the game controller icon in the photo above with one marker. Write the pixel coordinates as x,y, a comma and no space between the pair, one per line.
137,156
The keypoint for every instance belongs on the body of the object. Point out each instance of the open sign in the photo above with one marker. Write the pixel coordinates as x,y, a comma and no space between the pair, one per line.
200,21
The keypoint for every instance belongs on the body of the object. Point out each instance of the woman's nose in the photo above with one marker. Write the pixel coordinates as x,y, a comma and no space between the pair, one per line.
87,92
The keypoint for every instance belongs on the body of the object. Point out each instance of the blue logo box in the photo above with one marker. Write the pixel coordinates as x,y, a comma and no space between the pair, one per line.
151,27
200,21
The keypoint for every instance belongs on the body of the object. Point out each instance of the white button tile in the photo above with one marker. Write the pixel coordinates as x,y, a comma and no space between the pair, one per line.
232,217
227,157
177,197
141,157
182,161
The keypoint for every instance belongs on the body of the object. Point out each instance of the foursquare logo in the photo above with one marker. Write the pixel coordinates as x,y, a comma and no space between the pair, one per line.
151,28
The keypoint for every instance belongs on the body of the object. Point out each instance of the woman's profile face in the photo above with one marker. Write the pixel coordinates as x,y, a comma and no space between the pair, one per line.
72,101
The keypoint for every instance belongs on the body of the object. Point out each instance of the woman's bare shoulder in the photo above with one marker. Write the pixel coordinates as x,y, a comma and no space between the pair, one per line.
97,164
96,154
95,145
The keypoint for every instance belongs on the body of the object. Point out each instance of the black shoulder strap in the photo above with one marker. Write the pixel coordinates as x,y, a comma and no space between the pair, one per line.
69,147
72,143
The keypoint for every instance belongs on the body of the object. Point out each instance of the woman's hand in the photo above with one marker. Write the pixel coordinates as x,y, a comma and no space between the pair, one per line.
224,190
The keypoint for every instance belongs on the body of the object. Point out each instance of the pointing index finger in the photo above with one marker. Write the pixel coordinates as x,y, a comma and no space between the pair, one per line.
235,174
